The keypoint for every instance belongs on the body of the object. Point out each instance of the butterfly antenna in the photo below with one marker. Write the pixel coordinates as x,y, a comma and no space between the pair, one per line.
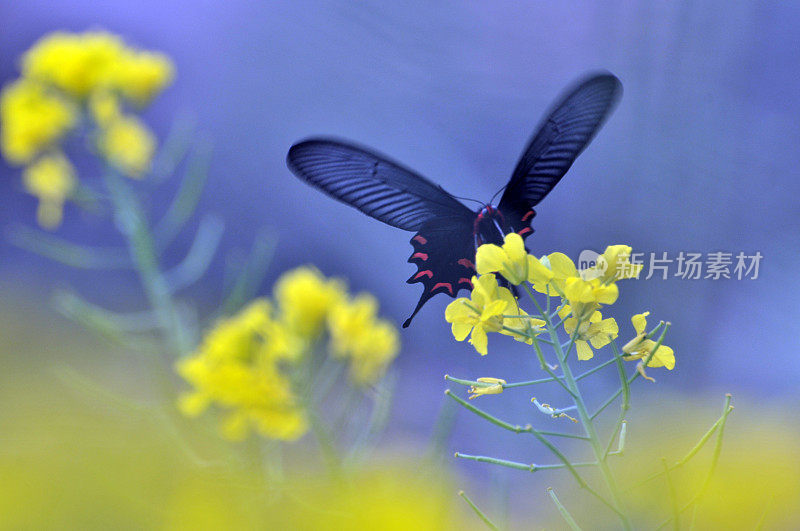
468,199
497,192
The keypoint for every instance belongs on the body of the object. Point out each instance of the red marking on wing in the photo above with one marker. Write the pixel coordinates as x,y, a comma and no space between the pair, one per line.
528,215
466,263
427,273
420,239
463,280
443,285
421,256
524,231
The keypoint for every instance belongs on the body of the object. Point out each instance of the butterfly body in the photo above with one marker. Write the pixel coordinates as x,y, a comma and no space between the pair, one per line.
447,233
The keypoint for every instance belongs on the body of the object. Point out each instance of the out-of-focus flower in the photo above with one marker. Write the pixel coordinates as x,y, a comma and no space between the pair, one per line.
82,63
358,334
139,76
304,297
128,145
512,261
481,313
494,387
235,369
640,347
76,63
595,331
51,179
104,107
33,119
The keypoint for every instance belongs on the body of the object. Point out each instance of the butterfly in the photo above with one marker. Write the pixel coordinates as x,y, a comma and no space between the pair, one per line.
447,231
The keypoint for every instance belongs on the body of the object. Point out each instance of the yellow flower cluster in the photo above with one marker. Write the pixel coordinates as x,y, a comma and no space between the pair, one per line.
81,63
359,335
490,308
62,74
238,367
246,364
583,293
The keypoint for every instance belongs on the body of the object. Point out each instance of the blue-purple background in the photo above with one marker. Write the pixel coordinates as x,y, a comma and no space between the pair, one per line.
701,155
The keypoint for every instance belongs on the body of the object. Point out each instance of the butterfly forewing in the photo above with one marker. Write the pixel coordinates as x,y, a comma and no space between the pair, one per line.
561,137
373,184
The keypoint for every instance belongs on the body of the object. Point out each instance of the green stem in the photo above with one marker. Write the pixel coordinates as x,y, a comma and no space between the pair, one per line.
533,467
132,223
563,510
586,420
480,513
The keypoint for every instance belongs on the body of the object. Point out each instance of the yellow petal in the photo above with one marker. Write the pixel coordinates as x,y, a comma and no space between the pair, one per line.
514,248
639,322
607,294
496,307
584,350
539,275
562,266
601,333
479,340
489,258
457,311
664,357
461,331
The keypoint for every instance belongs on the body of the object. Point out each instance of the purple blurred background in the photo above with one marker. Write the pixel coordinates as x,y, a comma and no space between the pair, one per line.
701,155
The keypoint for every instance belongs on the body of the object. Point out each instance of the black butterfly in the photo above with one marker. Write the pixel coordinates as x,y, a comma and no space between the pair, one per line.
447,232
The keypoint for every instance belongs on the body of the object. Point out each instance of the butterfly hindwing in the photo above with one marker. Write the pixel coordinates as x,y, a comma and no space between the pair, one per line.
444,253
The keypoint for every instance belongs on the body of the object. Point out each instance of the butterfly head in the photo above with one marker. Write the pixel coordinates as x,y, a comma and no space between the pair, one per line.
489,226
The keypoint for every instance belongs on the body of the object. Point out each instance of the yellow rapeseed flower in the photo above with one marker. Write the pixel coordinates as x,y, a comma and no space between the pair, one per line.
614,264
77,63
304,297
234,369
104,106
369,343
481,313
512,261
595,331
51,179
586,296
128,145
640,347
139,76
494,386
32,119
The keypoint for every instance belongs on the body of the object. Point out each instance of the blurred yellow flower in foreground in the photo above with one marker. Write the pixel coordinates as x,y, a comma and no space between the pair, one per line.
81,63
358,334
76,63
51,179
234,368
304,298
128,145
104,107
65,75
250,364
141,75
33,119
640,347
595,330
